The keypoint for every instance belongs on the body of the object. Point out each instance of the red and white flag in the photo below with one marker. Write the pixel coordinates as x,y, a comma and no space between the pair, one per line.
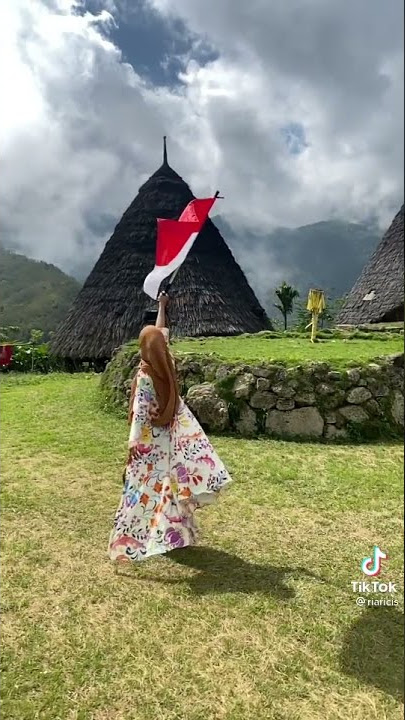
175,239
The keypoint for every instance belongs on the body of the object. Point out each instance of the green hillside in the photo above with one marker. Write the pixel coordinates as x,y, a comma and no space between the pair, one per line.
33,294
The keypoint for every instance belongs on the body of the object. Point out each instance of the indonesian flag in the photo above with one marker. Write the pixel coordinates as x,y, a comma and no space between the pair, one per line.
175,239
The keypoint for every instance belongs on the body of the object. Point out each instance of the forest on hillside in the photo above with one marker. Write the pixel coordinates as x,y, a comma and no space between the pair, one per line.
33,294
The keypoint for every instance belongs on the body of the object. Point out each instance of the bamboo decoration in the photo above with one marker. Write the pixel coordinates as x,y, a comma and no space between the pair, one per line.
316,305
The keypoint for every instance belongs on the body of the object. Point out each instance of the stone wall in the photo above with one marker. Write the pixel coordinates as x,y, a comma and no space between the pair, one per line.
312,401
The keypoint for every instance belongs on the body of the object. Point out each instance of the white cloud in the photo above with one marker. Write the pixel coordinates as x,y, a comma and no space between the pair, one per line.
81,130
73,133
336,68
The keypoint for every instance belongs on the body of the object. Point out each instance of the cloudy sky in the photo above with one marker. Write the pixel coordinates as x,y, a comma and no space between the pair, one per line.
293,109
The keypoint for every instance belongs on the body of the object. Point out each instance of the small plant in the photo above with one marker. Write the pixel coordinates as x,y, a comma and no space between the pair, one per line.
31,358
36,337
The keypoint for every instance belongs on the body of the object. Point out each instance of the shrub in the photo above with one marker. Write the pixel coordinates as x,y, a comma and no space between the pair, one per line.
34,358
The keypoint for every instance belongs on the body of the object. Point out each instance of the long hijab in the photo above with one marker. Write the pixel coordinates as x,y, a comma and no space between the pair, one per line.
157,363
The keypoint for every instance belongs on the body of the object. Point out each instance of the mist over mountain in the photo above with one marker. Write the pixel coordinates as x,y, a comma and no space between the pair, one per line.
329,255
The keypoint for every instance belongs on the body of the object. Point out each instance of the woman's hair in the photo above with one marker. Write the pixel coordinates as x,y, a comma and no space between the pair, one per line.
158,364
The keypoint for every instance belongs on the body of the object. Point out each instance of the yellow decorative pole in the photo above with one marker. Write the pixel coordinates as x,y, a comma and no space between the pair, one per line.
316,305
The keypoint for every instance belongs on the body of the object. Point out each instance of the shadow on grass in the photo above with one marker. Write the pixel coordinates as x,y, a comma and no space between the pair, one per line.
373,650
221,572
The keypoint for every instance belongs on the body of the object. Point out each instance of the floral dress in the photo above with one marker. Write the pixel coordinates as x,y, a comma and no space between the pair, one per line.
178,471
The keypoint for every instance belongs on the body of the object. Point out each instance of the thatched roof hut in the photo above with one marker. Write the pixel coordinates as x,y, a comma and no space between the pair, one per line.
210,295
378,295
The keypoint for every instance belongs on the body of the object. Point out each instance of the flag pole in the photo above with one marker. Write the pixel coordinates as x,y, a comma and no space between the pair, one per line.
173,276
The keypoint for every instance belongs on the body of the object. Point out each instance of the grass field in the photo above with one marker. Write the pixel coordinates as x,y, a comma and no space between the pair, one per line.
293,350
258,623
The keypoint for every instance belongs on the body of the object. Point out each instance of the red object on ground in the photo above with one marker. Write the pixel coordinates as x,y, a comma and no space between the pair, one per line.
6,355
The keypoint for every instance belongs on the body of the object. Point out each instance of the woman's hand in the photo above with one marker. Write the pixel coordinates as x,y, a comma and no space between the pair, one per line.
163,299
133,451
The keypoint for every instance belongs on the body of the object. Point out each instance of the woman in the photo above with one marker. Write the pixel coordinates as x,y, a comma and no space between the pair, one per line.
172,467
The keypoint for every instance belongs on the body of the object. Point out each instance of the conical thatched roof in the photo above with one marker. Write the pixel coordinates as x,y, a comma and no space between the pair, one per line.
378,295
210,295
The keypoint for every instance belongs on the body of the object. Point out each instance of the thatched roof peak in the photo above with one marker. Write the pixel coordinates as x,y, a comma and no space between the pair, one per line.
378,295
211,295
164,173
163,183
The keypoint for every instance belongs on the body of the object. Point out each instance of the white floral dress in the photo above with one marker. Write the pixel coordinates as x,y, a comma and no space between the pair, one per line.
179,471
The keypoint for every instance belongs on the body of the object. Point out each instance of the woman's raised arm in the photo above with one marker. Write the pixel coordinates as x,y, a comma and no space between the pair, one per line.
161,320
163,301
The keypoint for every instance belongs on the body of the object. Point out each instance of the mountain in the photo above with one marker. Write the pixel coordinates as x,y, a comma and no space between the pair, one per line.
328,255
33,295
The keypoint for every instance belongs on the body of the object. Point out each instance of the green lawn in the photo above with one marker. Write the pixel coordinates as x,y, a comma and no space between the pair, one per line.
258,623
293,350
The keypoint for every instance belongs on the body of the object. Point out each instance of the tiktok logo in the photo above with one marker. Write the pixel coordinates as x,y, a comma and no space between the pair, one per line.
371,566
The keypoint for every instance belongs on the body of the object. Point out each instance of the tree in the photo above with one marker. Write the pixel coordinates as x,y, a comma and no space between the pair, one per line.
286,295
36,337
